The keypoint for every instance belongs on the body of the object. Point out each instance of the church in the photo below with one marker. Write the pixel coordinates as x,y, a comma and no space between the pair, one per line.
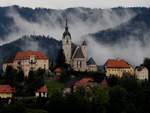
77,56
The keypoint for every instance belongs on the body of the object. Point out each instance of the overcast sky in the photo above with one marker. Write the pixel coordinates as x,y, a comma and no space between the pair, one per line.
61,4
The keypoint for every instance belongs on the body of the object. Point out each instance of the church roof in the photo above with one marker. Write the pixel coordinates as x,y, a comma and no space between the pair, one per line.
84,43
73,48
66,33
78,53
91,61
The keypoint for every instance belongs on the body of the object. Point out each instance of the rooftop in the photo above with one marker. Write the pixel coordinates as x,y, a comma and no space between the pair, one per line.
78,53
42,89
140,68
84,81
6,89
58,70
27,54
91,61
117,63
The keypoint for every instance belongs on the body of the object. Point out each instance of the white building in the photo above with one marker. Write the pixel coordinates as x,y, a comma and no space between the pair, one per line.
141,73
28,60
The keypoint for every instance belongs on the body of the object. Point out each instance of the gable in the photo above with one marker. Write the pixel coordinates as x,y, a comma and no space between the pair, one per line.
78,53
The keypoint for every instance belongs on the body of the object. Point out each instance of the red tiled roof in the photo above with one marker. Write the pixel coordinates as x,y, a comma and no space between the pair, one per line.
58,70
6,89
117,63
104,83
84,81
42,89
26,55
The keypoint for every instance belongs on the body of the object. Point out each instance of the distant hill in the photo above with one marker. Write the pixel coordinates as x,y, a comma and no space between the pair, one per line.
135,29
79,18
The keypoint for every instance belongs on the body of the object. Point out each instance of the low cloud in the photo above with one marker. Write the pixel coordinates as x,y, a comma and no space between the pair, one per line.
97,20
131,50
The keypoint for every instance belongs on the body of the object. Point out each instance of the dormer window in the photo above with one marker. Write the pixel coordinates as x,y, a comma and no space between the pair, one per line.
32,60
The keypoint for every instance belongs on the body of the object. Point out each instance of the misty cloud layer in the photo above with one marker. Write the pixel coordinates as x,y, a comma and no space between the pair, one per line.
131,50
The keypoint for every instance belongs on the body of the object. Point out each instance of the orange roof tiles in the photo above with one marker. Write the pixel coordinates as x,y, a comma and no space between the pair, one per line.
58,70
84,81
117,63
26,55
104,83
42,89
6,89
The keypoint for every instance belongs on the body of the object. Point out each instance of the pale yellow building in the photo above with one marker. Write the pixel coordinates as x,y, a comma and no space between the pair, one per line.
6,91
118,67
28,60
141,73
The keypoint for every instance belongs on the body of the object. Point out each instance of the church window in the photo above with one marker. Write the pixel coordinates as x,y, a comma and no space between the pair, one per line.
44,66
67,41
80,64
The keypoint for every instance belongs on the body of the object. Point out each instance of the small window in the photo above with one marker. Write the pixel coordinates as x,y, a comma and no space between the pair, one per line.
44,66
19,62
32,59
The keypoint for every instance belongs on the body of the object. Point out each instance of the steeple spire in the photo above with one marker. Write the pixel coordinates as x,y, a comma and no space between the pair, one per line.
66,28
66,32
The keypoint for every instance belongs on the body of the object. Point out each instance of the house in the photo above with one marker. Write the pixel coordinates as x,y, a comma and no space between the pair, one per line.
42,92
86,82
28,60
6,91
118,67
141,73
58,71
75,56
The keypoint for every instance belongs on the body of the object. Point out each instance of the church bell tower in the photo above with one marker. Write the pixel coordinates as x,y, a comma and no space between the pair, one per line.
66,43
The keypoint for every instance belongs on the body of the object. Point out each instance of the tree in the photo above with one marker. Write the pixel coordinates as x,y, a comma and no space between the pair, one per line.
100,100
21,75
35,80
60,60
113,80
118,99
11,76
146,63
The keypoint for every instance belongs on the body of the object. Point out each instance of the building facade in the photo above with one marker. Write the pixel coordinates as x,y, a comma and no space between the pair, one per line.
141,73
118,67
6,91
28,60
76,56
42,92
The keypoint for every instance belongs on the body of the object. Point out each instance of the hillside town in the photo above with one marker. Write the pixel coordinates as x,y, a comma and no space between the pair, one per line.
31,73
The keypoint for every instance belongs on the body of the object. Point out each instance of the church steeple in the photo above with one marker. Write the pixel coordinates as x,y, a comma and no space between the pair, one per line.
66,43
66,32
